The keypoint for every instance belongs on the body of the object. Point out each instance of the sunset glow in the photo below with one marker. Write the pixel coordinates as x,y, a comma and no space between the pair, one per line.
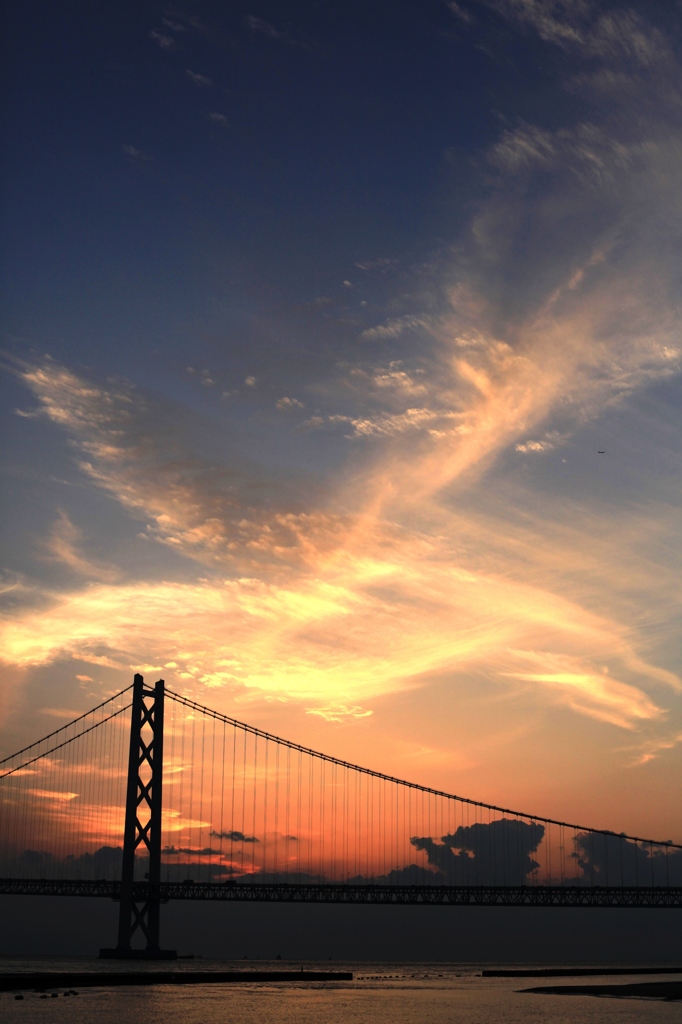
401,484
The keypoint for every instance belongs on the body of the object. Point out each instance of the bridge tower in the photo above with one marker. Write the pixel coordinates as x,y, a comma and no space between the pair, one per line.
140,912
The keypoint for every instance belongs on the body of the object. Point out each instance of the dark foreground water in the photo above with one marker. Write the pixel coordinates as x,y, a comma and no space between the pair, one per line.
396,993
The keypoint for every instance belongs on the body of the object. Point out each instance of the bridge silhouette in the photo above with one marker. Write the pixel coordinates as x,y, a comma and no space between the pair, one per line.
151,797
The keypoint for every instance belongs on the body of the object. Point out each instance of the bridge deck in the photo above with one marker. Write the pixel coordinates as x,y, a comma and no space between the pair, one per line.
400,895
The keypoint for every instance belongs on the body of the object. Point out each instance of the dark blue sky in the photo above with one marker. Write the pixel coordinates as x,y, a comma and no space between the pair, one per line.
180,175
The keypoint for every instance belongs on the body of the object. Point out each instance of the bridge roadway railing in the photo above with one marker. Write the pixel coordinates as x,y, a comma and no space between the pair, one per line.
400,895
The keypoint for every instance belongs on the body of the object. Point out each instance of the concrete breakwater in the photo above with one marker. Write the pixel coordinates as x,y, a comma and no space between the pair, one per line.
42,980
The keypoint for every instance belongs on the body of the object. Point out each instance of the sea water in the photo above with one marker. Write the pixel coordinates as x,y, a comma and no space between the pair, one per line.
380,993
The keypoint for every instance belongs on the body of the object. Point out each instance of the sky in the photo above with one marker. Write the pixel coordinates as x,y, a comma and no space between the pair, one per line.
340,383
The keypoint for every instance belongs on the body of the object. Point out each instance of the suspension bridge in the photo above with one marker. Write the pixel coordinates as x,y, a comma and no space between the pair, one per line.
151,797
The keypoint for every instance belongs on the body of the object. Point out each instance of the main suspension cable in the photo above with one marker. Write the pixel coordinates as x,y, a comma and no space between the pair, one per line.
256,732
64,743
68,725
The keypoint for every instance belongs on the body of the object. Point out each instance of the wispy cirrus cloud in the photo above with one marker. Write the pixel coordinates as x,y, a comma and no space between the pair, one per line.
556,21
254,24
260,26
135,450
394,327
134,153
371,608
198,79
460,12
390,424
583,26
162,39
537,447
365,584
559,307
174,26
383,264
368,627
65,546
590,692
339,712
